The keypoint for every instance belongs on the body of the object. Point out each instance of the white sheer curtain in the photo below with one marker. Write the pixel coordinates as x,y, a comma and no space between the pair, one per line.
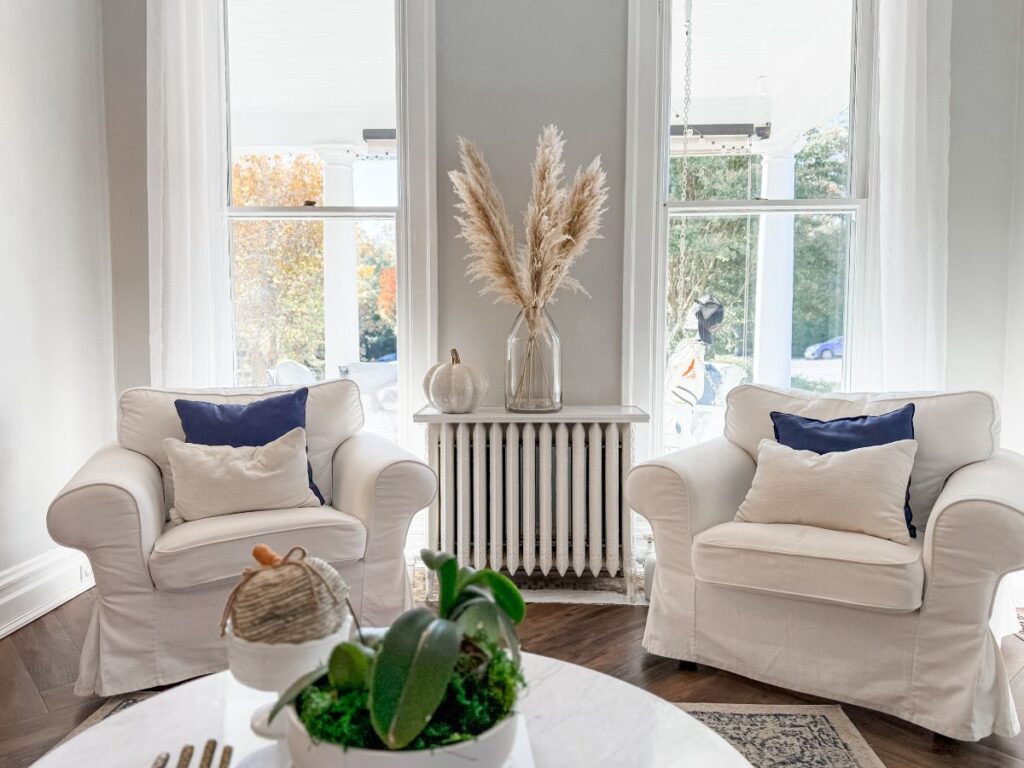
898,317
898,313
189,276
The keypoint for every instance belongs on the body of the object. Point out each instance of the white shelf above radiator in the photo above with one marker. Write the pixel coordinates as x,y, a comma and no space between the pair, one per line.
570,414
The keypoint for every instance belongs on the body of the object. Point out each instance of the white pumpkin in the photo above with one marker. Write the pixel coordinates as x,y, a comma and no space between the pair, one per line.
455,387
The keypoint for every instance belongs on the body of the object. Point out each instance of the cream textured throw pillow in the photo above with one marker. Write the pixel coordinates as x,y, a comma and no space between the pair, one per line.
214,480
862,490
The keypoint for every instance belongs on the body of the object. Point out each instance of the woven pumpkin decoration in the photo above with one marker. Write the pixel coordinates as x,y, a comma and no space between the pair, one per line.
288,599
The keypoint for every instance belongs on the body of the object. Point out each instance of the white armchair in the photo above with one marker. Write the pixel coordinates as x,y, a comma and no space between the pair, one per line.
900,629
161,587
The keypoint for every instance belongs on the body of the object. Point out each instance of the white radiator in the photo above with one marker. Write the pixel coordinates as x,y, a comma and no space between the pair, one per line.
537,493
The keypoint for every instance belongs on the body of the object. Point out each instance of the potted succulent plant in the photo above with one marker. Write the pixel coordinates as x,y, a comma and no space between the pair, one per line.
431,689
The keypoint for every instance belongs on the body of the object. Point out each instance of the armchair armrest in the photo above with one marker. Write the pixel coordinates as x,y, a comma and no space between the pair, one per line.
693,489
976,529
683,494
974,537
384,486
375,479
113,511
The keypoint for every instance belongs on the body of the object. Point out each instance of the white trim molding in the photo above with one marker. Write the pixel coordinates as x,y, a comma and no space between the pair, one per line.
647,119
417,209
37,586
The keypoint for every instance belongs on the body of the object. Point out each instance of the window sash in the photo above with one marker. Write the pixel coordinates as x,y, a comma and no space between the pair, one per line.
312,212
415,215
649,210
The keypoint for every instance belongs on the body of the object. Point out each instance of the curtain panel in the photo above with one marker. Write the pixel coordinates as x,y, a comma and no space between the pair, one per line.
189,268
898,313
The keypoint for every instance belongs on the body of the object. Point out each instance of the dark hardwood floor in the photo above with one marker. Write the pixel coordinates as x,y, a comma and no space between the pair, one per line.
38,665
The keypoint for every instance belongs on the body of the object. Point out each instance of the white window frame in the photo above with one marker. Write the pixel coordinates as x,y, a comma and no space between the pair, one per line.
415,215
648,209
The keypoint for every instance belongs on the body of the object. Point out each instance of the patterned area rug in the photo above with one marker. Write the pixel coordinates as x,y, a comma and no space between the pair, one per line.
788,736
111,706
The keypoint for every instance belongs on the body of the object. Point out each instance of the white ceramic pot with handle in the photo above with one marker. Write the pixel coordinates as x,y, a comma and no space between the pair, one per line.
491,749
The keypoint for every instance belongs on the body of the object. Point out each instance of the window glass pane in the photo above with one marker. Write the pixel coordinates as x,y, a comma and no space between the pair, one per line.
763,108
758,298
316,299
316,79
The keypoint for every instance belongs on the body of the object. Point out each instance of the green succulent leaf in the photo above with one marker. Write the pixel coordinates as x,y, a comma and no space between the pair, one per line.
372,637
506,593
466,574
483,616
349,666
447,569
296,688
410,675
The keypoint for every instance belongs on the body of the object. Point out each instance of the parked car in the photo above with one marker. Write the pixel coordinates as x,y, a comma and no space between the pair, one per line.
826,350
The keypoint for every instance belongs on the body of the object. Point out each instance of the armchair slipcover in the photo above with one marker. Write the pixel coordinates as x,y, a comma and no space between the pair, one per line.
161,587
900,629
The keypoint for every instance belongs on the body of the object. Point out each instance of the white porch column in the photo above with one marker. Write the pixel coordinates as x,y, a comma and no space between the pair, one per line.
773,312
341,295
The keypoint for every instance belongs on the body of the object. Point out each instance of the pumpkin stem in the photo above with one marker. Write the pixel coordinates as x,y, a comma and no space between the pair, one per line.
455,357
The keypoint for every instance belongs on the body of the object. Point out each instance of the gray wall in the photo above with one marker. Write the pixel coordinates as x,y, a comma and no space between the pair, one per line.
505,70
984,94
57,387
1013,389
124,75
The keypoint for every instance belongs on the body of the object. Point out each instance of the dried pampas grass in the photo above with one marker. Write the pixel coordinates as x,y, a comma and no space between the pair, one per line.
559,224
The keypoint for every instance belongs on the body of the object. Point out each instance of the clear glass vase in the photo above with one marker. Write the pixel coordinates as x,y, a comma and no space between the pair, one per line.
533,364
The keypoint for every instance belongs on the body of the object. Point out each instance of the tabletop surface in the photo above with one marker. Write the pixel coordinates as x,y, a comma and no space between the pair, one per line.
573,715
569,414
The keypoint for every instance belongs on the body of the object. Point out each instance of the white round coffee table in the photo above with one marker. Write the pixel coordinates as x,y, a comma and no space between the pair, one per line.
573,715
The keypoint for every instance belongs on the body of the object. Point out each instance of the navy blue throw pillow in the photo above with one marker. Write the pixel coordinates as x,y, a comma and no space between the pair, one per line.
804,434
250,424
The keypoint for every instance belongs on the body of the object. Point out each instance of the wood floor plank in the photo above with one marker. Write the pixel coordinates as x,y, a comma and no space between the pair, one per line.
64,697
20,699
48,652
24,742
601,637
75,615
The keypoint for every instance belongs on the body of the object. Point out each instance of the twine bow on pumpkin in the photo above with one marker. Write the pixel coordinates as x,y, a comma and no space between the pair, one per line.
276,608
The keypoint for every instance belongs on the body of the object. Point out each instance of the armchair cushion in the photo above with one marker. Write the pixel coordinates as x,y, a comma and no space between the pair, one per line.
952,429
246,424
815,564
334,413
861,491
222,480
204,551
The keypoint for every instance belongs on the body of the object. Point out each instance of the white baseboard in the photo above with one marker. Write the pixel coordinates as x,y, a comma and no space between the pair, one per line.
37,586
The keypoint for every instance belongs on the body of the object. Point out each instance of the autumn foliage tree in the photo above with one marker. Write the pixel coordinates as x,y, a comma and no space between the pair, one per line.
278,271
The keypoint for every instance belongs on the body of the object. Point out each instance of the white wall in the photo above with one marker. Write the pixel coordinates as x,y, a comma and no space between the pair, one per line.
56,386
505,70
983,115
124,75
1013,389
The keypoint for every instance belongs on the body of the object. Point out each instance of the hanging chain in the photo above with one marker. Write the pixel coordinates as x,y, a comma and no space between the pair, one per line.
687,93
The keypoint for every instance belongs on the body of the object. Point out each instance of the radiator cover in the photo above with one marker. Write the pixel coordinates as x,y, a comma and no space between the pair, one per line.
534,494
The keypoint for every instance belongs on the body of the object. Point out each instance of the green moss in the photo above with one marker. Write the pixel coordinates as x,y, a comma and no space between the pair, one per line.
338,717
482,691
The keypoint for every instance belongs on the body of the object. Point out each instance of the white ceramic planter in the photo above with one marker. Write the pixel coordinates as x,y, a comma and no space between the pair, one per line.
489,750
275,666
